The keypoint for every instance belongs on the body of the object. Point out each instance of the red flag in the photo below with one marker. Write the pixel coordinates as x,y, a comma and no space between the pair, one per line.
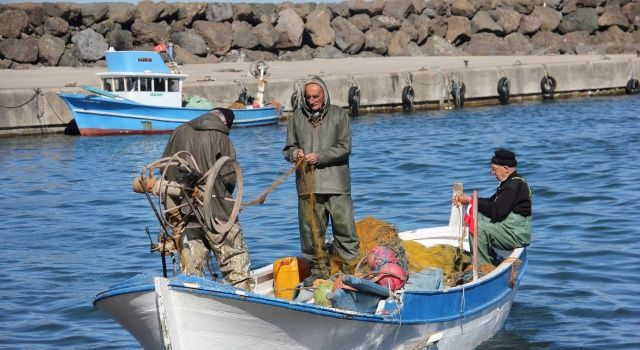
162,47
468,218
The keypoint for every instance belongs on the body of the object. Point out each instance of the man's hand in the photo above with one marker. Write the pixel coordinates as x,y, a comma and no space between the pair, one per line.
299,155
311,158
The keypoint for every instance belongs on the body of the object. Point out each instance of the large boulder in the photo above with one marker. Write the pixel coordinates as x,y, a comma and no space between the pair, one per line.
458,30
348,38
583,19
485,44
529,25
371,8
303,54
386,22
93,13
572,40
243,36
546,42
290,27
71,58
253,55
149,33
523,6
20,50
122,12
190,41
632,12
218,36
90,44
56,26
550,17
482,22
399,44
362,21
418,27
438,46
119,39
463,8
12,23
439,26
328,52
219,11
35,11
50,49
377,40
517,44
267,35
319,27
613,16
339,9
265,13
70,12
614,35
149,11
243,12
183,56
399,9
508,19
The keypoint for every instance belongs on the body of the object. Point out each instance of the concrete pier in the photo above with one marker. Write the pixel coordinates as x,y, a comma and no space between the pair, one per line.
29,103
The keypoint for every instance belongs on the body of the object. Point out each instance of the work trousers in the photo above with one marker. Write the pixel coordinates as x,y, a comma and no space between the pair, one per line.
339,209
229,249
512,232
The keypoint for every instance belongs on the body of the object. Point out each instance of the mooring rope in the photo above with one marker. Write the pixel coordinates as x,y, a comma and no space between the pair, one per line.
20,105
263,197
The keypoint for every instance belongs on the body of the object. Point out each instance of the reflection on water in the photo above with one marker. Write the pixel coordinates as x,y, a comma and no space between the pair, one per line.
72,226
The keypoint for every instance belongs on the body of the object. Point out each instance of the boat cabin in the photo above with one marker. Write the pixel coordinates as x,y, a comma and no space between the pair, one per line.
143,77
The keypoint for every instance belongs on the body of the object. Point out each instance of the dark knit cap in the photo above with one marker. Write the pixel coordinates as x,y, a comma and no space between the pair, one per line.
228,115
504,157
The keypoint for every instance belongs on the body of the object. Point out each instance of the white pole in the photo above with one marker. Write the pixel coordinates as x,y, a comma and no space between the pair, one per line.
475,235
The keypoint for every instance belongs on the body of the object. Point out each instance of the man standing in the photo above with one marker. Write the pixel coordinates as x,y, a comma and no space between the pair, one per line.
504,219
207,139
319,134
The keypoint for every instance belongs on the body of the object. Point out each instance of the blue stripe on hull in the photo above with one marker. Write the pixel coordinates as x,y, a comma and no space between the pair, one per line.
97,115
452,304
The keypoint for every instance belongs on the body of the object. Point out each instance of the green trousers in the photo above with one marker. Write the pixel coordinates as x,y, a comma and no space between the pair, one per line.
339,209
512,232
230,250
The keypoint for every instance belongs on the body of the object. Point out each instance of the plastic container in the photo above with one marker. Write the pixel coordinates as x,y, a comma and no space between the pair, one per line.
288,272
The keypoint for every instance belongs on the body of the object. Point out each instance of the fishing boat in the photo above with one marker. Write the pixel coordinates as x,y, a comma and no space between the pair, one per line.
186,312
140,94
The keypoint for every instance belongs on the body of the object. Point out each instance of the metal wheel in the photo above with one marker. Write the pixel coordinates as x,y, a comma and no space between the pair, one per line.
212,176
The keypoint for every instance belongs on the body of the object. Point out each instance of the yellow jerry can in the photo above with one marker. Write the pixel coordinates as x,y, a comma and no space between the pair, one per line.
288,272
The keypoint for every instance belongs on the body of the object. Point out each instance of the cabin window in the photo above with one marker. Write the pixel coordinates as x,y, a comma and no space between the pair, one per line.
160,84
145,84
119,84
107,85
174,85
132,84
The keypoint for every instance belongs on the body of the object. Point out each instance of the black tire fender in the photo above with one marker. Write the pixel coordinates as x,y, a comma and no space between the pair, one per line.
633,86
354,101
548,85
504,87
407,98
458,90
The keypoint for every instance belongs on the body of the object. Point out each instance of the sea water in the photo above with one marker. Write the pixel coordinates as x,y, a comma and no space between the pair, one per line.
71,226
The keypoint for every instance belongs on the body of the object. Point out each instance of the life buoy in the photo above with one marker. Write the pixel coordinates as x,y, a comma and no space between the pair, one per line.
354,101
548,86
504,86
633,87
457,92
407,98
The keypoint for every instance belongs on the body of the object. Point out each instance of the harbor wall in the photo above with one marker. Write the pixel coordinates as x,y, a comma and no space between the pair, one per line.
41,111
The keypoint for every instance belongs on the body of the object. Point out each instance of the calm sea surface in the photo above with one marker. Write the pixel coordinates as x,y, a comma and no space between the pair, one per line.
71,226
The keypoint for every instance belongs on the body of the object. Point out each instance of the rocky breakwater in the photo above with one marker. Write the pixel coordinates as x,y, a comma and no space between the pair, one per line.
71,34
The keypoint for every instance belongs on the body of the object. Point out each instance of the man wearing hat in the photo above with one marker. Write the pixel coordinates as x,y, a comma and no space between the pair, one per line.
206,138
504,219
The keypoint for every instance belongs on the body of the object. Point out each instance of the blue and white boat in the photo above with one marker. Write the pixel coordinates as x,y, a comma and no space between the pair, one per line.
195,313
140,95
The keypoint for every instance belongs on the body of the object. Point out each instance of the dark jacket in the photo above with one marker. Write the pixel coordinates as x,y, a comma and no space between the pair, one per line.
328,133
207,139
512,195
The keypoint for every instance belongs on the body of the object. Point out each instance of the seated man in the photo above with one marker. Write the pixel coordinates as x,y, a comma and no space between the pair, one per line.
504,219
